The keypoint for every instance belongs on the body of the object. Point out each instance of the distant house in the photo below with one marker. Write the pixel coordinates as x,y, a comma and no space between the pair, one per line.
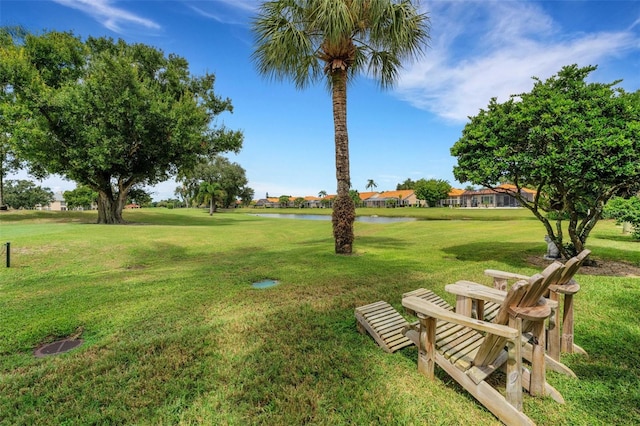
364,196
312,202
402,198
271,202
454,198
58,203
494,197
132,206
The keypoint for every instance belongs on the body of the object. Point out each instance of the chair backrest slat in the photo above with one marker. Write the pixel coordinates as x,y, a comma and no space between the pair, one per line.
551,275
522,294
572,265
493,345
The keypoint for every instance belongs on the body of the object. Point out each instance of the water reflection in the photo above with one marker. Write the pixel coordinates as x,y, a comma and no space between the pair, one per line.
367,219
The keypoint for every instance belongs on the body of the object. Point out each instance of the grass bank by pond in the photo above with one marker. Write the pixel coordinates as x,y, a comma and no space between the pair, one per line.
175,334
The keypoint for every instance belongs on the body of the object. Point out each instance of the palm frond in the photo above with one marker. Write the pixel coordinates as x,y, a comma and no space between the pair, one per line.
285,48
302,39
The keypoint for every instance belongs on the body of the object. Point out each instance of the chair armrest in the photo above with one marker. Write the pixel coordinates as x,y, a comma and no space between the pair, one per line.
571,287
531,313
426,308
505,275
482,292
476,291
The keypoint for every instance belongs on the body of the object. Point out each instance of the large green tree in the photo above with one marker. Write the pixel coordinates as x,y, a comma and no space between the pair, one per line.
80,197
334,40
432,190
407,184
228,178
24,194
625,210
9,161
111,115
576,143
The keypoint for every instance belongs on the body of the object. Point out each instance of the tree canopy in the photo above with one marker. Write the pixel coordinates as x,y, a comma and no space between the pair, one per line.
110,115
575,143
407,184
80,197
334,40
432,190
223,181
24,194
625,210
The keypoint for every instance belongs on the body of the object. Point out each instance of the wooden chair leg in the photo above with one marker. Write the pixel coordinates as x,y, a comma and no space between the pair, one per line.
464,306
514,367
538,374
553,335
566,344
426,346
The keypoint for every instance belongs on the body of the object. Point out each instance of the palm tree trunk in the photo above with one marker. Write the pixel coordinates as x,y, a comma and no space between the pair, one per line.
343,207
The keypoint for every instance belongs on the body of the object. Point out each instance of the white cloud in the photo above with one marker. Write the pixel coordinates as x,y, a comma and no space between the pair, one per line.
232,12
481,50
110,16
246,5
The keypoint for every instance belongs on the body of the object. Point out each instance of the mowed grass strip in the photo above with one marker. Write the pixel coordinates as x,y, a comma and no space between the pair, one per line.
175,334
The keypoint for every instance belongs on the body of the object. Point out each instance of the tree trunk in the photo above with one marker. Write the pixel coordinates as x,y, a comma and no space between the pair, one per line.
1,188
343,207
110,209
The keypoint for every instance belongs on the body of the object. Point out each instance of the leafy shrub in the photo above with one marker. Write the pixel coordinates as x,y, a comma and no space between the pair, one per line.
625,210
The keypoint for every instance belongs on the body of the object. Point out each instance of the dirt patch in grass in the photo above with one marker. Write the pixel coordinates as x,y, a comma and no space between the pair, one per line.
609,268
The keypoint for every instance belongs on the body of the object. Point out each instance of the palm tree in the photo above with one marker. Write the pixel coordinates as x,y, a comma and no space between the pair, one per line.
322,194
210,192
308,40
371,184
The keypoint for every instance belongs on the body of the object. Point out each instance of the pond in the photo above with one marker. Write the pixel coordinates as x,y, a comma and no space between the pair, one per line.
367,219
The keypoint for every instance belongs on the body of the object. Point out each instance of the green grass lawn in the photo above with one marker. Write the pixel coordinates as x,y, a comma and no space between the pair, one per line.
175,334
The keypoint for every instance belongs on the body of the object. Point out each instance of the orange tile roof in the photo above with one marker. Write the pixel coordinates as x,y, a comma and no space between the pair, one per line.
455,192
513,188
403,193
365,195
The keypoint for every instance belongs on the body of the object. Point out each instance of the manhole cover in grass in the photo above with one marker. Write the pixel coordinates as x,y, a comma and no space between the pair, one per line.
265,284
59,347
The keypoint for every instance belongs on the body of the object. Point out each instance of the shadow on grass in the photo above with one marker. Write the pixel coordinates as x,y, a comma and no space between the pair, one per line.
619,238
48,216
513,254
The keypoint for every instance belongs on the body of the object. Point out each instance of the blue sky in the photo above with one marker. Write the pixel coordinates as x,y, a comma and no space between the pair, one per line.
479,50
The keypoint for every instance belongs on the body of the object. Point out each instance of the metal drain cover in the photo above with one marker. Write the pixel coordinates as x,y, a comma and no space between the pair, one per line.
59,347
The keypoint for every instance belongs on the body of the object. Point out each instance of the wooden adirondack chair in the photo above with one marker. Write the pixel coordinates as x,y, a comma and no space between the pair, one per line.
470,350
566,287
485,303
